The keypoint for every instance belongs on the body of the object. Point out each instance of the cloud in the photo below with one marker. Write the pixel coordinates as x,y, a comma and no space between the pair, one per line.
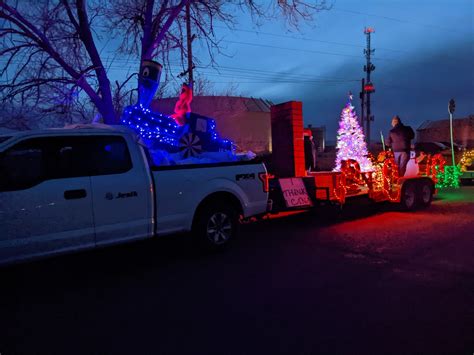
417,87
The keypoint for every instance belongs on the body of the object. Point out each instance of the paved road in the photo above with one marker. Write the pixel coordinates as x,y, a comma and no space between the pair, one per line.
367,281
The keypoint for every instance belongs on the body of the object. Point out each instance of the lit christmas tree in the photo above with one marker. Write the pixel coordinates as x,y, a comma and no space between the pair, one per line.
350,140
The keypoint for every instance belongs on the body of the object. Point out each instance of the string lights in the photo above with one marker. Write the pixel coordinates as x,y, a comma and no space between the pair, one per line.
159,131
467,159
449,177
152,126
350,140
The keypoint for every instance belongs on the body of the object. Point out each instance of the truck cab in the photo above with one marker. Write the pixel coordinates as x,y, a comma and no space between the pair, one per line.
55,186
68,189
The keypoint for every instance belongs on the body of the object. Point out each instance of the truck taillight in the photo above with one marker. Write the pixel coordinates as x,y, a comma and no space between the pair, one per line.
265,179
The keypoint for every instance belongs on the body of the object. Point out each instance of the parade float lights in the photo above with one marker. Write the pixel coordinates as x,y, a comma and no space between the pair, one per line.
162,132
449,176
152,125
350,140
381,181
358,168
189,134
467,160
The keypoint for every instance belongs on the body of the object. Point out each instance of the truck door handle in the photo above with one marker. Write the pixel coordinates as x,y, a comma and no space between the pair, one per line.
75,194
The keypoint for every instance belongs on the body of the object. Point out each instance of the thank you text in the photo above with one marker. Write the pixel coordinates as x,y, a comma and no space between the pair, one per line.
295,193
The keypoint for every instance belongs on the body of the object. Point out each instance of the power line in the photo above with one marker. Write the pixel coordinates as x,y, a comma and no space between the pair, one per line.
300,49
250,70
272,82
284,80
240,72
306,39
397,20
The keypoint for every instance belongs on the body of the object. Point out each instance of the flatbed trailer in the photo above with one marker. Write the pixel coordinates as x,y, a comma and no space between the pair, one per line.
291,187
331,187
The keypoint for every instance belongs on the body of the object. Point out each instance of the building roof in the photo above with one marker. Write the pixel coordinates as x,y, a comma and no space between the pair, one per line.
207,105
444,123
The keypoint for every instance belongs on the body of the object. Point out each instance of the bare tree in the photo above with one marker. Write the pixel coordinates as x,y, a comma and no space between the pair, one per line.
202,86
54,43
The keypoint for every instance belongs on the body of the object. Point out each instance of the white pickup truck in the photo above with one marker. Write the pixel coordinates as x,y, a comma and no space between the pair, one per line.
64,190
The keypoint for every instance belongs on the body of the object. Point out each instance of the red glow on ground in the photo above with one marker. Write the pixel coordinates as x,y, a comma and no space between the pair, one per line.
285,214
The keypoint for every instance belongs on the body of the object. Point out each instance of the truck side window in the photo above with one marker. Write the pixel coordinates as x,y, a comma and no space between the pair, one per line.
75,156
109,155
22,167
35,160
67,157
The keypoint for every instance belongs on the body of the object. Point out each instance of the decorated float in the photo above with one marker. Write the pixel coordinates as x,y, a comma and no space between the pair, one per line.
356,171
361,172
184,137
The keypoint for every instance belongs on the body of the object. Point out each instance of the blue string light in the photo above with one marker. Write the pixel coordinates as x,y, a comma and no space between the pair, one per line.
162,132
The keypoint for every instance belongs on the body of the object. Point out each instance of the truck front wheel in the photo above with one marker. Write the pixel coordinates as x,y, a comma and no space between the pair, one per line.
216,224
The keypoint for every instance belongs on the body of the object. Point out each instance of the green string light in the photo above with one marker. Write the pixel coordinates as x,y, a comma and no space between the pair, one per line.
450,177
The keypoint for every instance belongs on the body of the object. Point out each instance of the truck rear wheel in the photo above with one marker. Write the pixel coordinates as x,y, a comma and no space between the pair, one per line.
425,193
216,224
408,199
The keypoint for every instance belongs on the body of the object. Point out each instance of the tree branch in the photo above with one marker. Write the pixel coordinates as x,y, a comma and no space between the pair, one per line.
70,15
151,50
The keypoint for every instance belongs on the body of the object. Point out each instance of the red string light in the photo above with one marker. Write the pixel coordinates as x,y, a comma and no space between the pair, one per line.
382,182
432,163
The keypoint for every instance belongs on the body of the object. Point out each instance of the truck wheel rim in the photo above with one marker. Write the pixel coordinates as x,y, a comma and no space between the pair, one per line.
409,197
219,228
426,193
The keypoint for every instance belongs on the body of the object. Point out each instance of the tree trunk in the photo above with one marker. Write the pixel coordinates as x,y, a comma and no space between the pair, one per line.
106,107
107,111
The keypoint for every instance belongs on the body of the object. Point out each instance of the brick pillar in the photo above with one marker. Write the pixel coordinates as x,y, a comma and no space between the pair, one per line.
287,139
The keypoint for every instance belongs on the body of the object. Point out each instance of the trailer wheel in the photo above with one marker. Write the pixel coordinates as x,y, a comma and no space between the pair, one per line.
216,224
425,194
409,196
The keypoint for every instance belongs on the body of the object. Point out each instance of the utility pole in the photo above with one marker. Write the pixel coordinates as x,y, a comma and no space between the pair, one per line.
189,44
451,108
362,101
368,87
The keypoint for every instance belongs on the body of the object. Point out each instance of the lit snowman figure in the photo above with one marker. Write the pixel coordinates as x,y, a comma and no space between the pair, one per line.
412,167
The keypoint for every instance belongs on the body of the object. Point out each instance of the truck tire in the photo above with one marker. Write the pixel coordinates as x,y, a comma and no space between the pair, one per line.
216,224
424,193
408,199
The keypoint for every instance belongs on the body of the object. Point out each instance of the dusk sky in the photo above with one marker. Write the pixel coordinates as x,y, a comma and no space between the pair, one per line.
424,56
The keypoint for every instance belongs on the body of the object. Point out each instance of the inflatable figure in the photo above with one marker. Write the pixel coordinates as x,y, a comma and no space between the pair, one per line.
148,81
413,168
183,105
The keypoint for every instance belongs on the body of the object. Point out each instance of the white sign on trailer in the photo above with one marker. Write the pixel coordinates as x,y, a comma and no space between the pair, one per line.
295,193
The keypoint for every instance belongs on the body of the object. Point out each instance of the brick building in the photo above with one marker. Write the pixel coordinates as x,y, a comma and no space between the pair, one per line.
438,131
245,120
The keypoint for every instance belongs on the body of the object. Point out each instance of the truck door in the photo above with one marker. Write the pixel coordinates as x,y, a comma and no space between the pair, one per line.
45,198
121,191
